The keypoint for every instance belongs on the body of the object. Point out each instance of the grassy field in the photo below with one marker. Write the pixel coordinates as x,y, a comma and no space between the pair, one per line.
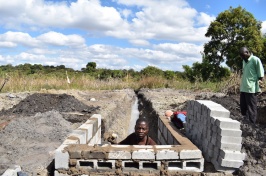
21,83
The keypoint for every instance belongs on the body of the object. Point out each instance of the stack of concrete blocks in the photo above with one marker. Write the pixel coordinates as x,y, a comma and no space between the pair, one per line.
88,133
209,126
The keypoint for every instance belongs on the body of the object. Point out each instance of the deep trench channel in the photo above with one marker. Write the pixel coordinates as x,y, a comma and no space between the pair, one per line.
146,111
141,108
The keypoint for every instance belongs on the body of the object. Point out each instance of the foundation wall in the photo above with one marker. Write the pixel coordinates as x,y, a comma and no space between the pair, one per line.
78,154
209,126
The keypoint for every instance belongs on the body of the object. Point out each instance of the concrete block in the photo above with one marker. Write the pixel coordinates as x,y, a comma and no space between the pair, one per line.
210,153
229,132
166,154
56,173
227,123
71,141
194,165
218,111
149,165
119,154
190,154
232,155
143,154
229,139
230,163
78,134
88,128
95,127
160,124
207,103
87,164
61,158
94,154
98,136
220,168
98,117
165,132
175,165
105,165
170,138
12,171
130,165
75,154
229,146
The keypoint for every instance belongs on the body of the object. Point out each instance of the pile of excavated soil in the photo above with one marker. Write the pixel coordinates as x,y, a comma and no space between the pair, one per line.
33,125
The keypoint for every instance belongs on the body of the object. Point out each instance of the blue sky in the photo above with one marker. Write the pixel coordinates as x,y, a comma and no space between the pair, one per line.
116,34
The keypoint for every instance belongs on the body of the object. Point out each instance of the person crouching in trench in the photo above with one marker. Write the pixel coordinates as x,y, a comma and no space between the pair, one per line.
140,136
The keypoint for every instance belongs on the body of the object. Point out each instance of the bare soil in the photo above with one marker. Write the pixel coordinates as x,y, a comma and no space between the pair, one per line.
34,124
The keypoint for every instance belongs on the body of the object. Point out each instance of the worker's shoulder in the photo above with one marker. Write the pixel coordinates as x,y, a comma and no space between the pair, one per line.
255,58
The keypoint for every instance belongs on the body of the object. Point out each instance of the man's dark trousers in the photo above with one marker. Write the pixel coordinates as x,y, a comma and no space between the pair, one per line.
248,105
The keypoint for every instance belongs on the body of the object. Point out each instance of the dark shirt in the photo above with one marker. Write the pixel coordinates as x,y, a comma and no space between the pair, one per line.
132,140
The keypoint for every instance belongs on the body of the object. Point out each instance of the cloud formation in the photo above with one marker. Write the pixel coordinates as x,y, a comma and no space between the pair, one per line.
118,34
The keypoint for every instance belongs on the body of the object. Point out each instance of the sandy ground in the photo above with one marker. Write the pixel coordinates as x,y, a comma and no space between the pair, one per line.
34,124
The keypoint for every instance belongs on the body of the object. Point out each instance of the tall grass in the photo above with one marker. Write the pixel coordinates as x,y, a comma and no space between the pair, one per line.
21,83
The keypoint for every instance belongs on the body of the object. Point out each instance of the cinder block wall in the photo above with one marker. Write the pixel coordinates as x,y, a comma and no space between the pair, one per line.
88,133
209,126
79,154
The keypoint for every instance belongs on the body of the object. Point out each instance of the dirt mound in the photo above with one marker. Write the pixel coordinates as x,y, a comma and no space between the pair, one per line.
39,102
36,126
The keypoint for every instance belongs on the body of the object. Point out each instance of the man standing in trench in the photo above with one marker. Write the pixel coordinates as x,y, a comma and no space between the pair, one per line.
252,77
139,137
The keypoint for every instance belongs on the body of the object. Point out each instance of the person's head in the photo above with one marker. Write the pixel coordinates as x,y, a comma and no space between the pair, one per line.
244,53
141,128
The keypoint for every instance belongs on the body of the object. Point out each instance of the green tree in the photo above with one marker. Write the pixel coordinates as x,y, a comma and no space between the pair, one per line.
205,71
168,74
151,71
232,29
91,66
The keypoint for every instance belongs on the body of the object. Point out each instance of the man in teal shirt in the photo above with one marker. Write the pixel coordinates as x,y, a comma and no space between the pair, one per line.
252,76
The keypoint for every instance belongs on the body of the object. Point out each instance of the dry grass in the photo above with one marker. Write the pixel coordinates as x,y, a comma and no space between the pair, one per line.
20,83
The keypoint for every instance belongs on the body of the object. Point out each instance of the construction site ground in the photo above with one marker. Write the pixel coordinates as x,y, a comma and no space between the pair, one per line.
34,124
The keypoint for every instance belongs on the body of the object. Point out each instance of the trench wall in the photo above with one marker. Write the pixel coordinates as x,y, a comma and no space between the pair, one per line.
209,126
82,153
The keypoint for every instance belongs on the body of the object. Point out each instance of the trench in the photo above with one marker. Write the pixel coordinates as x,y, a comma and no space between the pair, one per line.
134,116
146,111
148,158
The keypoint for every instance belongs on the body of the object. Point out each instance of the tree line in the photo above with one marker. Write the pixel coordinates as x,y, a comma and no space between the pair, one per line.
90,69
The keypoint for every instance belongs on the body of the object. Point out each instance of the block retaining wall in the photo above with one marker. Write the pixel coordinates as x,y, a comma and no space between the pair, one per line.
82,153
209,126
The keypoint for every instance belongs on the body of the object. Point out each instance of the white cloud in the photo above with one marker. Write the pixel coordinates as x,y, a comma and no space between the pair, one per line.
7,44
84,14
18,38
55,38
139,42
147,22
155,19
204,19
263,28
